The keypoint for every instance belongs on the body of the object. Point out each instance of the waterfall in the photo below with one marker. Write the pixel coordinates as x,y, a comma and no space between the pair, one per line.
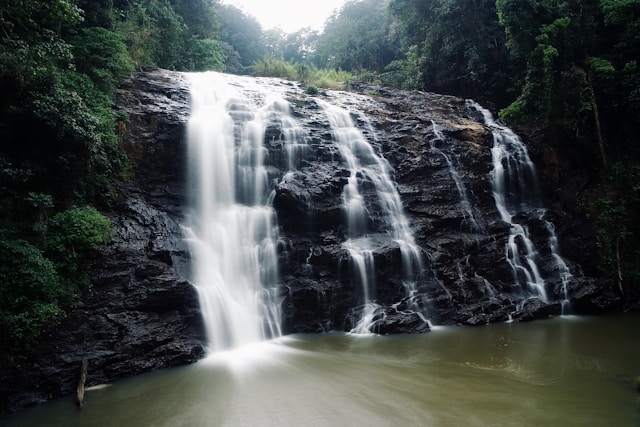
370,171
560,265
231,226
248,150
516,190
469,217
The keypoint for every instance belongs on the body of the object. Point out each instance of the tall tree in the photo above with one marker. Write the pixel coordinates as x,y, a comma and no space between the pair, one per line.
457,47
357,38
242,37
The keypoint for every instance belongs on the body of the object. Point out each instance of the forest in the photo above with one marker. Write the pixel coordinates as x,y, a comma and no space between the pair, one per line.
564,71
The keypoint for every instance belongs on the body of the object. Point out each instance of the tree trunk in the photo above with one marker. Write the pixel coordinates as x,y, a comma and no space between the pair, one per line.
619,265
596,119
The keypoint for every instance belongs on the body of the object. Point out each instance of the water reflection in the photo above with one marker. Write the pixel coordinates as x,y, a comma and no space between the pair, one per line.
569,372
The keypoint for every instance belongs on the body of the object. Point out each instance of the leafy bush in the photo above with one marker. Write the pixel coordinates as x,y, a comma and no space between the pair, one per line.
77,230
309,75
71,236
204,54
271,67
37,287
102,55
330,78
64,127
31,294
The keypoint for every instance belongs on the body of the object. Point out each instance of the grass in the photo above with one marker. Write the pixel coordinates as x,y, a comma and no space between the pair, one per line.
311,77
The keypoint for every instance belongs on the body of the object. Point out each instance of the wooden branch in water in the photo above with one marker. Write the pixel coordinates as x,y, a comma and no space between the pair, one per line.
81,381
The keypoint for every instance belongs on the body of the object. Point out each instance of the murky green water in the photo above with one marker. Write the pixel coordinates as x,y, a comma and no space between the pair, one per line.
561,372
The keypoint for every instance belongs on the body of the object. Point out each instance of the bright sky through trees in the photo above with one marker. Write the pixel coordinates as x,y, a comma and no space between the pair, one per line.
289,15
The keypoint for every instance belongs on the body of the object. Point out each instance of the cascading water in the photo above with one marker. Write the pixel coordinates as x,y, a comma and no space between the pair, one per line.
516,190
469,216
560,266
368,169
247,151
231,228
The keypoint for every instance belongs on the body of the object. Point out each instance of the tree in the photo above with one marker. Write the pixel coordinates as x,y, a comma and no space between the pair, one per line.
242,35
199,16
357,38
455,47
618,231
566,66
102,55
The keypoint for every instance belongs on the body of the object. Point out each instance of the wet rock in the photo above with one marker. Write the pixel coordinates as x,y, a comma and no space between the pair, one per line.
138,315
154,109
400,322
535,308
589,296
141,312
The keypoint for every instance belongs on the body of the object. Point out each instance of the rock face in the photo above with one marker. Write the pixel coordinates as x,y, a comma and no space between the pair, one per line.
142,313
467,278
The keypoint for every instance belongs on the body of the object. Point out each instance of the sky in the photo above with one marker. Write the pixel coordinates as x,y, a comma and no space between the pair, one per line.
290,15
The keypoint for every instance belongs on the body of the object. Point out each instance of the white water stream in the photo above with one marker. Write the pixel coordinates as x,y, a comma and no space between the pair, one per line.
515,190
231,229
469,216
369,169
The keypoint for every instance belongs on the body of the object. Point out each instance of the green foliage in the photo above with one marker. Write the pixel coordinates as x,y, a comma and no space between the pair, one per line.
307,74
242,36
32,19
575,61
171,34
451,46
330,78
601,67
140,35
31,294
271,67
406,73
78,230
71,236
41,205
515,112
297,47
204,54
102,55
199,16
357,38
66,128
36,290
618,229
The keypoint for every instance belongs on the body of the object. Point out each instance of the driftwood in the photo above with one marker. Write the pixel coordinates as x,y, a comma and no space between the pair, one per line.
81,381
